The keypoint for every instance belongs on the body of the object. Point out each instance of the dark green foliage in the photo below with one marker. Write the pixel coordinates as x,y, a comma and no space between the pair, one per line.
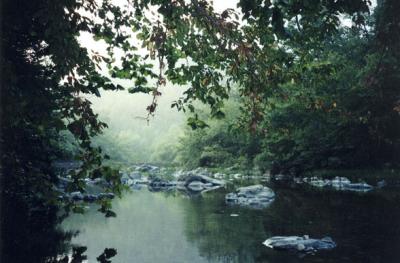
106,255
45,72
334,107
221,144
342,113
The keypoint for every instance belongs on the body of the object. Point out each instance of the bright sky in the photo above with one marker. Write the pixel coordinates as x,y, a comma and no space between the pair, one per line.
221,5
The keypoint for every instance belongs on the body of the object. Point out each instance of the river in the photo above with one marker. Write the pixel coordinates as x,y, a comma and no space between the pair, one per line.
171,227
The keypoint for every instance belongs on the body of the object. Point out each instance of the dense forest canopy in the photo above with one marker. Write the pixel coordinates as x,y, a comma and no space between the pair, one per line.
286,86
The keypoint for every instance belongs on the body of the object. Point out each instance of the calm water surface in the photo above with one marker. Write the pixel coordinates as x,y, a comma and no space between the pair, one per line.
170,227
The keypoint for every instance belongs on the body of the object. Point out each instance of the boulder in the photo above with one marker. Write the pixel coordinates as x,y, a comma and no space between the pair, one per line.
255,196
302,244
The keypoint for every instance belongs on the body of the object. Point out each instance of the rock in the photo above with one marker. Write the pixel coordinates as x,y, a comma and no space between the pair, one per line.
209,189
280,177
135,175
147,168
317,182
219,175
125,178
105,196
196,186
194,181
200,171
255,196
338,183
297,180
237,176
129,182
300,244
178,174
201,183
76,196
360,187
90,197
63,182
203,179
96,181
381,184
159,184
143,180
301,247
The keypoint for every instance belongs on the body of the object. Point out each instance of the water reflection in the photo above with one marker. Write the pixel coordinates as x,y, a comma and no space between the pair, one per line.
30,235
148,228
160,227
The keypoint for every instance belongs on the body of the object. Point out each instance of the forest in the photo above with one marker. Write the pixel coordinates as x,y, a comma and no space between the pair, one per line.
280,87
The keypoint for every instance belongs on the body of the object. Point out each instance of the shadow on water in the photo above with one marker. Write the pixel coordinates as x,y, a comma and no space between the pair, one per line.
30,235
30,232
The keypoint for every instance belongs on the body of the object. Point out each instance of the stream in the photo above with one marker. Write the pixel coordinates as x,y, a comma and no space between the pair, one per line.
171,227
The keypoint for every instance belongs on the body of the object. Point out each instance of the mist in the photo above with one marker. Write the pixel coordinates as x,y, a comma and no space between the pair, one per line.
130,138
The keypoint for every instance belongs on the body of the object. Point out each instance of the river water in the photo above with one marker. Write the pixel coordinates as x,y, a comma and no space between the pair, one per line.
171,227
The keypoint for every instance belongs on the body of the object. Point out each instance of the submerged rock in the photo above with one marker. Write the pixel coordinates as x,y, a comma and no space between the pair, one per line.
302,244
255,196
